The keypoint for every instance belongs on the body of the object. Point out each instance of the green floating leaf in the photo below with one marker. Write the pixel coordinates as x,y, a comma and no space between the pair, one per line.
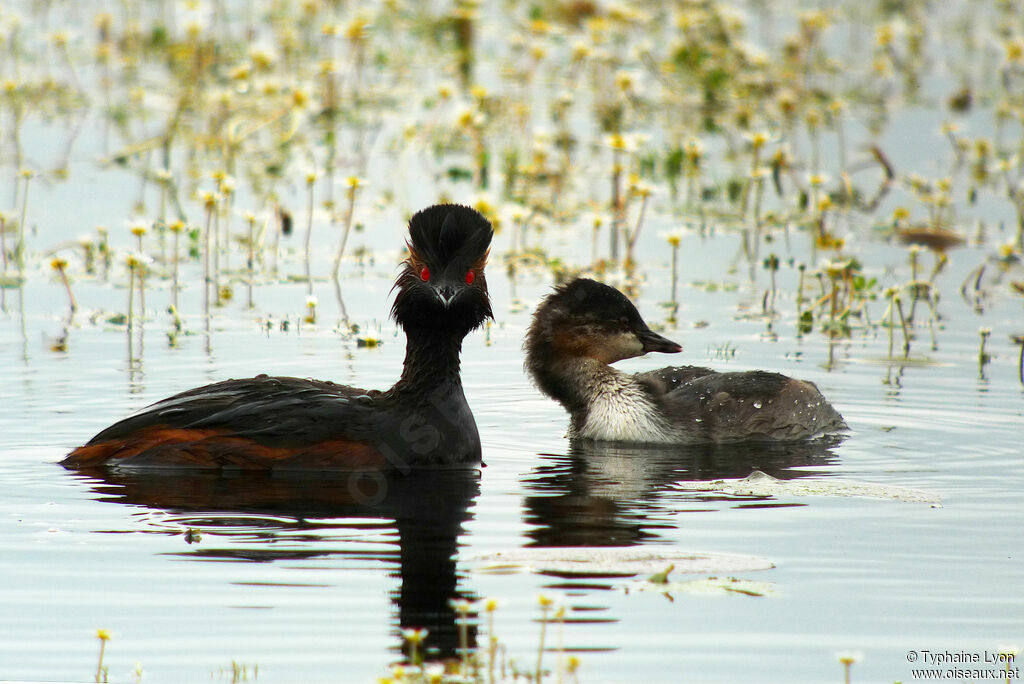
715,586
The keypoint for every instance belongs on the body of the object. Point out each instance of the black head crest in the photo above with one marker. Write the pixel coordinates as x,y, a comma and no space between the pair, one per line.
442,284
448,233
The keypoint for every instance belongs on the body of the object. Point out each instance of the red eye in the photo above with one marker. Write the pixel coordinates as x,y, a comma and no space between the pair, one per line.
425,273
470,277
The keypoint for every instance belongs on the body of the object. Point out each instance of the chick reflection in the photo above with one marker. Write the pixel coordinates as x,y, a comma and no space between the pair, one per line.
427,509
606,494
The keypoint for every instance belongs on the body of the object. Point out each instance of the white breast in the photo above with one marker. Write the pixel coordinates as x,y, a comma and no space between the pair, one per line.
619,410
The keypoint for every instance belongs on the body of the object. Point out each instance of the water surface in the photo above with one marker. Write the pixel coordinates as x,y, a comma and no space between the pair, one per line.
312,578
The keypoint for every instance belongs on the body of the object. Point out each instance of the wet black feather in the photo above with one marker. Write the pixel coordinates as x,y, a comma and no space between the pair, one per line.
449,235
449,240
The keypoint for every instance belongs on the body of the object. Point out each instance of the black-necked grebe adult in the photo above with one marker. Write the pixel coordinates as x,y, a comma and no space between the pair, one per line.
585,325
291,423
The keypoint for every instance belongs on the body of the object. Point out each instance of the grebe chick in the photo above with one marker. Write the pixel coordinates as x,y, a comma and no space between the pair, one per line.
281,423
585,325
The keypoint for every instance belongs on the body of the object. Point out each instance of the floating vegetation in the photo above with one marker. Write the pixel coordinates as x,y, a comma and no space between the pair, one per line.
615,561
710,586
761,484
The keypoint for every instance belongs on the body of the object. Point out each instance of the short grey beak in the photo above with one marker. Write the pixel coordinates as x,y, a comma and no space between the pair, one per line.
446,293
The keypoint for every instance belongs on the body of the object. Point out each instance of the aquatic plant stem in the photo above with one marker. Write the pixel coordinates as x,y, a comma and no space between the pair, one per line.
414,637
560,668
161,227
492,642
983,357
693,152
142,287
891,315
279,218
227,191
480,155
251,258
103,636
758,201
211,205
20,250
932,318
310,179
1019,240
215,256
840,141
540,647
675,275
61,267
801,270
1019,339
903,324
345,231
639,224
812,133
757,141
3,240
833,302
176,229
131,296
618,205
773,268
464,642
